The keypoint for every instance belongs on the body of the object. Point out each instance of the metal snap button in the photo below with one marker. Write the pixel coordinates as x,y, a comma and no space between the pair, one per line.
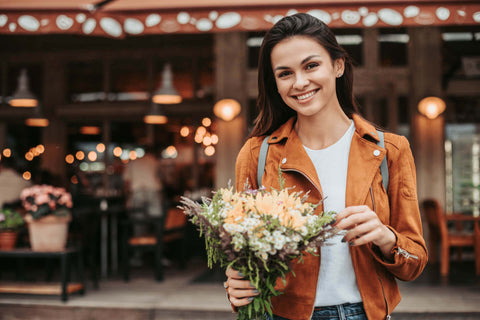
376,153
284,160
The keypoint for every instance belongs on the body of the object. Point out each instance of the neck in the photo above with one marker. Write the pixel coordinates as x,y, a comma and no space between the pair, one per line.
322,130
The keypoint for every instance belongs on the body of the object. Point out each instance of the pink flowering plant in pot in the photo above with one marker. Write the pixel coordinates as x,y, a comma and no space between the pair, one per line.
43,200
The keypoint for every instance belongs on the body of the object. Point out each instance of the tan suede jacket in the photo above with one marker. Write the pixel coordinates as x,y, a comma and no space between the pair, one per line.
398,210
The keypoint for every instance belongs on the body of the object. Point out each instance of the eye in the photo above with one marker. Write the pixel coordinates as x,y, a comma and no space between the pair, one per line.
311,65
284,74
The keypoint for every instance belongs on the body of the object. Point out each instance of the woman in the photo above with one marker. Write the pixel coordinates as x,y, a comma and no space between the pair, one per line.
323,146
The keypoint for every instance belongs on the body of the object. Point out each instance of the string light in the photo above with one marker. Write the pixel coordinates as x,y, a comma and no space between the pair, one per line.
92,156
69,159
100,147
184,131
209,151
206,122
117,151
80,155
7,152
27,175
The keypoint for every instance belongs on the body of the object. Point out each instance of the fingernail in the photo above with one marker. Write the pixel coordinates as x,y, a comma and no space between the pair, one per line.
256,291
240,274
250,298
351,243
343,239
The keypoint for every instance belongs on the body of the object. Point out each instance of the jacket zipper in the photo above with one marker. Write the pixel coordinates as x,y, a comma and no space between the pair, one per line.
388,317
298,171
405,253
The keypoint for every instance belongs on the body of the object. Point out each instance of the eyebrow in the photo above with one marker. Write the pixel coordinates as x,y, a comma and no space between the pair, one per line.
303,61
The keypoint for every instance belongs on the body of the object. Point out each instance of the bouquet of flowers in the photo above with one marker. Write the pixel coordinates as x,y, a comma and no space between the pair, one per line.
43,200
259,233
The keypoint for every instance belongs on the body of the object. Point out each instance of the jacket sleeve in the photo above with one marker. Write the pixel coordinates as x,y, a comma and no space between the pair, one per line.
410,252
246,165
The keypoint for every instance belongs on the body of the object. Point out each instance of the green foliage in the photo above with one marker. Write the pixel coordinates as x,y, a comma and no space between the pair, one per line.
10,220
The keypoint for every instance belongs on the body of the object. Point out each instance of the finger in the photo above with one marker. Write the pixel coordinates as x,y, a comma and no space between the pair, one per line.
366,238
240,302
360,229
347,212
239,284
242,293
232,273
354,220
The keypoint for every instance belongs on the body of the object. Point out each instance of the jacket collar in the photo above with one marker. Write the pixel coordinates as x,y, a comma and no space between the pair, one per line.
364,129
363,163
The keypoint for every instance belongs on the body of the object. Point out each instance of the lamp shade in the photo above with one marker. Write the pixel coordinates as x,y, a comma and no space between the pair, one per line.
22,97
37,119
227,109
167,94
431,107
155,115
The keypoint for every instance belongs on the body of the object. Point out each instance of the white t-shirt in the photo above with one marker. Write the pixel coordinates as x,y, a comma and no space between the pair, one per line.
337,283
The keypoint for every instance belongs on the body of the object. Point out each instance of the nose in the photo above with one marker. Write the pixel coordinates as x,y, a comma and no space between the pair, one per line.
301,81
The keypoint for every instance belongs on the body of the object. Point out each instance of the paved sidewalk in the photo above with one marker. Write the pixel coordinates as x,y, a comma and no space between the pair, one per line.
180,296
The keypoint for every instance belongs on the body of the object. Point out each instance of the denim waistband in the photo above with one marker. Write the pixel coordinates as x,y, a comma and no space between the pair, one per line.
347,309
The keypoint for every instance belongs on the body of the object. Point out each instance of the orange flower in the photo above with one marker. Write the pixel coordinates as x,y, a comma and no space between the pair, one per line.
236,215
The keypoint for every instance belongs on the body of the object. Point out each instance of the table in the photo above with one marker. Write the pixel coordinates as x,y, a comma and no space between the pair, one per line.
109,207
62,289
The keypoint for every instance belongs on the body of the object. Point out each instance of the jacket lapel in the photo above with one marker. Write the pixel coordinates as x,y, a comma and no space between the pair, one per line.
294,157
363,163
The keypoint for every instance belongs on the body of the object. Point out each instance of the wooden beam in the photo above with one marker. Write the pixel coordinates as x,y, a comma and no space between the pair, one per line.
130,110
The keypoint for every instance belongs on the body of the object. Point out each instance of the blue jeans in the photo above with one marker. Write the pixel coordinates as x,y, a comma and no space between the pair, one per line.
347,311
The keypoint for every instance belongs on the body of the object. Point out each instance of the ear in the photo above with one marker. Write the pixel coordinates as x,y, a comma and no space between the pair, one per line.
339,66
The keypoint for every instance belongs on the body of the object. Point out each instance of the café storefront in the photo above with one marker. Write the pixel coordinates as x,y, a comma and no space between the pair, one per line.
94,68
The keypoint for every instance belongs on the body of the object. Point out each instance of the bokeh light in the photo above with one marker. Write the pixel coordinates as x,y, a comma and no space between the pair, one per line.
101,147
80,155
27,175
209,151
92,156
69,159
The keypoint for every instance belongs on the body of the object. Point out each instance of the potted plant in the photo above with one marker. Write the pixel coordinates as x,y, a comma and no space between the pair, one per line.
10,222
48,215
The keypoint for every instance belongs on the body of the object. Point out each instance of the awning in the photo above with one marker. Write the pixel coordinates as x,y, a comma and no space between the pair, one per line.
119,18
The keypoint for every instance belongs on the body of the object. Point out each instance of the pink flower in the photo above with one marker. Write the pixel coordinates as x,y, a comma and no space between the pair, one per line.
42,199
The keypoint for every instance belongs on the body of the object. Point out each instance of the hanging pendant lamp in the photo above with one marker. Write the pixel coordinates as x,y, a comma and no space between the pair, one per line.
155,115
23,97
37,119
167,94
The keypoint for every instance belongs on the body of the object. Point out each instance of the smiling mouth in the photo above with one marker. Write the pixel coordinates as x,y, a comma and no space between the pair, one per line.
306,95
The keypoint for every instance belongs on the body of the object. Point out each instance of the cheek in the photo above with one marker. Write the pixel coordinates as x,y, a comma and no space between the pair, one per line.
282,87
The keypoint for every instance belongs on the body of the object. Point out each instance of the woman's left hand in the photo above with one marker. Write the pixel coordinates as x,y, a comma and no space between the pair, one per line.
364,226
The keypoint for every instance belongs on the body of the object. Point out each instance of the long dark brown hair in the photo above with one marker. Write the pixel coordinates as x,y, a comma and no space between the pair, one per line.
273,111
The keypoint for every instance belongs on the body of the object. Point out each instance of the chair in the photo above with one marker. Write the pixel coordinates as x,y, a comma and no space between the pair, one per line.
165,230
459,238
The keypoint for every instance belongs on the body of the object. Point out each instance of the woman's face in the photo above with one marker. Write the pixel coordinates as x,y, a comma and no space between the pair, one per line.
305,75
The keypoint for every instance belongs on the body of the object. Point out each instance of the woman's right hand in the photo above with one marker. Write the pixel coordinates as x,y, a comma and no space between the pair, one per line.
240,291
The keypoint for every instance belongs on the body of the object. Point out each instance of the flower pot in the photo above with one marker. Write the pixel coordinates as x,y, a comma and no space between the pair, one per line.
48,233
8,240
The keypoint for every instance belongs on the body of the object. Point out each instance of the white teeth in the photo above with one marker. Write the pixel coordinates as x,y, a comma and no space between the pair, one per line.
306,95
